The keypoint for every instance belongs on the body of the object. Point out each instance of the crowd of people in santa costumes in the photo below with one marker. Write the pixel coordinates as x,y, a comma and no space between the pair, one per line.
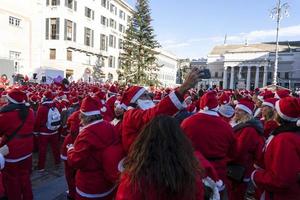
125,142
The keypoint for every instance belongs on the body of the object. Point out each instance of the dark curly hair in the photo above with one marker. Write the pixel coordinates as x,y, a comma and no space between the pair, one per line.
162,158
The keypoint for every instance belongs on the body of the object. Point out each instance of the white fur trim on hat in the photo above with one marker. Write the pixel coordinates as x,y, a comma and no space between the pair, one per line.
14,101
244,108
283,116
138,95
176,101
95,112
268,104
261,98
298,123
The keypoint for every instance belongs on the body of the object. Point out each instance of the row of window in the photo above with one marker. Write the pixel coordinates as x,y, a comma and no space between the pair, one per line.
112,23
111,59
72,4
52,33
13,21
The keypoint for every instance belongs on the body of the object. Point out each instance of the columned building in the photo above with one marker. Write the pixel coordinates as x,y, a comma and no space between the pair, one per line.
252,66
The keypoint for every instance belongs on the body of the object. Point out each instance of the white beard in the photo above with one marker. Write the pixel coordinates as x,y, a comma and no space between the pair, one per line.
145,104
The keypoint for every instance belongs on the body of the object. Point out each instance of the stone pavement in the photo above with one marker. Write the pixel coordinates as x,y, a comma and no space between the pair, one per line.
50,184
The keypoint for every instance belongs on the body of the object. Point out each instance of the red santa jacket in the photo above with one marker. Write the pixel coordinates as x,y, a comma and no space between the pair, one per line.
117,123
282,166
127,191
211,136
42,118
249,145
73,123
135,119
96,155
22,144
269,126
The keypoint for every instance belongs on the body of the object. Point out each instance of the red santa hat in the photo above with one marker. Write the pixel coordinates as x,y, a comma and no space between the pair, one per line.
34,98
90,106
270,102
246,105
223,99
289,109
209,101
74,101
132,95
48,95
282,93
187,96
113,89
16,96
265,95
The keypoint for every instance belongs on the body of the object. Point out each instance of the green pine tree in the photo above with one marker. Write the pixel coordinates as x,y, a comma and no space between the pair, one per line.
138,60
98,74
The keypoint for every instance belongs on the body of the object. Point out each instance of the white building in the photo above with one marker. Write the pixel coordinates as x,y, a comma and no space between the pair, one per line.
66,35
168,71
252,66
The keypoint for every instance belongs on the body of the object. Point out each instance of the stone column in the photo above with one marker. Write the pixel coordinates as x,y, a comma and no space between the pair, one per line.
248,78
225,77
232,78
257,77
265,81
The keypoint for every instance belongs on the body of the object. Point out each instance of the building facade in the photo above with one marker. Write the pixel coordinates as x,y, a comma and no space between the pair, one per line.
168,70
252,66
68,36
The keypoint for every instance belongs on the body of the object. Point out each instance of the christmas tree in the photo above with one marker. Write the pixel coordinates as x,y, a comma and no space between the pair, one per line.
98,74
138,60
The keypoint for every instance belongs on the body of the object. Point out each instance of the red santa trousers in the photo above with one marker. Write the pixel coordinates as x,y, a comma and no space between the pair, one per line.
44,140
16,180
70,178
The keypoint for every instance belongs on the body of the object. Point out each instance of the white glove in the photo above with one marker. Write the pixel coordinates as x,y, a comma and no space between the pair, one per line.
4,150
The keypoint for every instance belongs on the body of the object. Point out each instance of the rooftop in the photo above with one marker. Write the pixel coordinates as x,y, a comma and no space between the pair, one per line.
261,47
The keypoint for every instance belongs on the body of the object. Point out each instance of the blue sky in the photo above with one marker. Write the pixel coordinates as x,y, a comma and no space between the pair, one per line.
191,28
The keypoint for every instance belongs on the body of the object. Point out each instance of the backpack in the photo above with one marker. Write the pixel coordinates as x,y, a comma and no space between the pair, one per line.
54,119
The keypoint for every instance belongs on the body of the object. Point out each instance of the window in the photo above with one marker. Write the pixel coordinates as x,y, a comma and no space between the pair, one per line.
14,55
128,18
104,3
269,75
52,28
52,54
112,41
88,37
286,75
112,23
113,9
121,28
120,44
89,13
216,75
68,30
69,3
14,21
111,62
69,55
53,2
103,20
103,42
122,14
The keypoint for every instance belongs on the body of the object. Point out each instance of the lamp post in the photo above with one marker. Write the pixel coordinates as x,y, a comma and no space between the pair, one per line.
277,13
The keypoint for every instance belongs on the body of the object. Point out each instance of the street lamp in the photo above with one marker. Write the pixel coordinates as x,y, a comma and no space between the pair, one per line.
277,13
